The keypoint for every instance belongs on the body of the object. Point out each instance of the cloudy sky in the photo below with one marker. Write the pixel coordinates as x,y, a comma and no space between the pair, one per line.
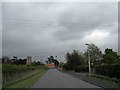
53,28
0,29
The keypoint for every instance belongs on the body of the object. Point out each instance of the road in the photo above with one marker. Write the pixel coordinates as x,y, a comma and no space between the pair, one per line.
56,79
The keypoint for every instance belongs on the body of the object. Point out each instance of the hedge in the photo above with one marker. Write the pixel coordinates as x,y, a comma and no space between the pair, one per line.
67,67
112,71
81,68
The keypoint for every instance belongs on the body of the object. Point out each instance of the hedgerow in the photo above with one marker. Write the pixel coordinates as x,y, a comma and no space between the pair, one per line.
112,70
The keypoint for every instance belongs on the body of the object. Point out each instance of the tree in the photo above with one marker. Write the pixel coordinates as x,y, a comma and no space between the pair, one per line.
51,59
6,59
95,53
47,62
56,62
22,61
61,64
110,57
73,59
15,60
37,63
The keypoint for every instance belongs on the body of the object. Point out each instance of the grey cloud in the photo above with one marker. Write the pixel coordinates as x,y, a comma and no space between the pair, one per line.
43,29
0,29
85,17
119,28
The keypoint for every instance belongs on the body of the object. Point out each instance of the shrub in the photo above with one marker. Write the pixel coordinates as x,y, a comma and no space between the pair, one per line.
108,70
81,68
66,67
77,69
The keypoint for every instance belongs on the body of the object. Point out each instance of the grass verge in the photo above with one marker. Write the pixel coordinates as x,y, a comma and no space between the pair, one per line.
27,82
106,79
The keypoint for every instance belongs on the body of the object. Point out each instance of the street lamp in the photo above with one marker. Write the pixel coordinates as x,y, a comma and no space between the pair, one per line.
89,60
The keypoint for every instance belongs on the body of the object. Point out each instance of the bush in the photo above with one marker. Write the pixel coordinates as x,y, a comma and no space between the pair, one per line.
115,80
82,68
66,67
77,69
108,70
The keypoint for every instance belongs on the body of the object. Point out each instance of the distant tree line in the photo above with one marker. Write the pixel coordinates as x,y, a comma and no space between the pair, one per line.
14,60
18,61
35,63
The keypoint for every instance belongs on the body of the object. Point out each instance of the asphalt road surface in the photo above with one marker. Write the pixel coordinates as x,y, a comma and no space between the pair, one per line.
56,79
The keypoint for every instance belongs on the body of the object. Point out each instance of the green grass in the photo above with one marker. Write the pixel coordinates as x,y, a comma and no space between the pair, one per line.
106,79
27,82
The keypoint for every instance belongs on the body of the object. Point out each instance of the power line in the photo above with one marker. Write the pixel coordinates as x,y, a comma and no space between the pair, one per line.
39,21
50,24
44,23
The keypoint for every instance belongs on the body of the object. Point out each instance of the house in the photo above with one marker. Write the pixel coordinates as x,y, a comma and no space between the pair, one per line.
50,65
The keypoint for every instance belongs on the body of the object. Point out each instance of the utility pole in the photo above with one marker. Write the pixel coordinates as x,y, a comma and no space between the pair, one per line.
89,60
